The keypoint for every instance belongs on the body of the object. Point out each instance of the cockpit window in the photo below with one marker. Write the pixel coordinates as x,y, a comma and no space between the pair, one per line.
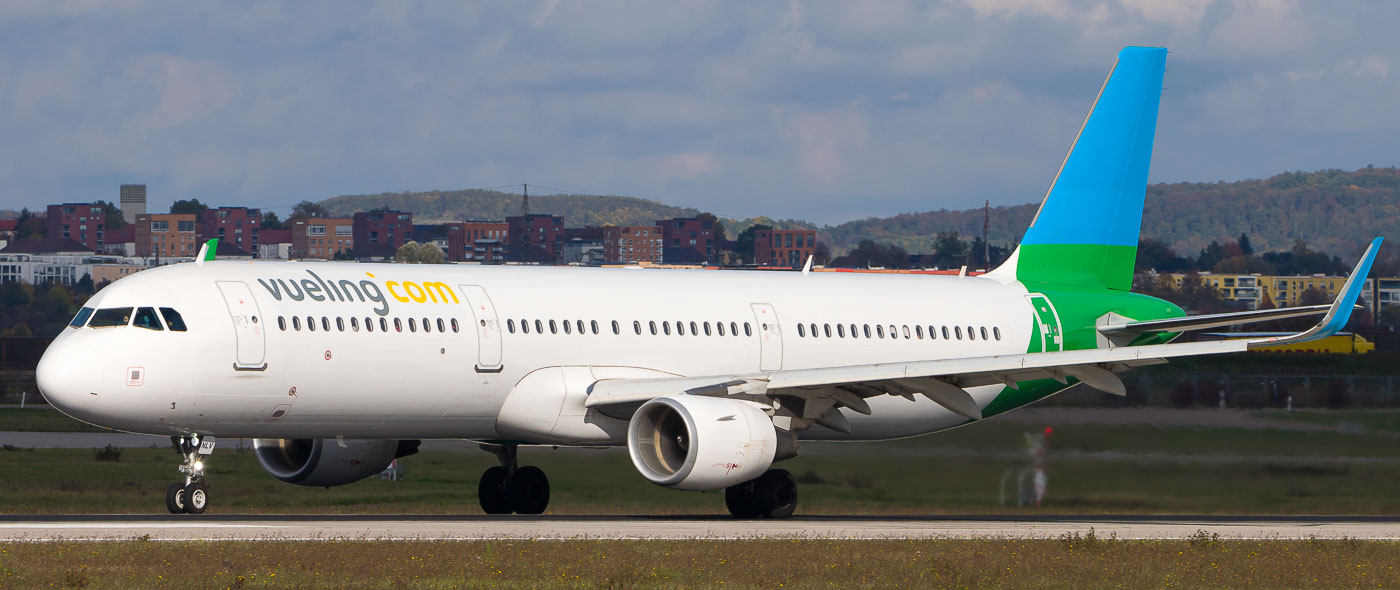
81,318
110,317
173,319
146,318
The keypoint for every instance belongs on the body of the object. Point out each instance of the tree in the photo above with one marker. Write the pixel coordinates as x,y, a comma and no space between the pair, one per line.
869,254
188,206
416,253
271,221
822,255
307,209
1154,254
14,294
112,215
743,245
1245,246
29,225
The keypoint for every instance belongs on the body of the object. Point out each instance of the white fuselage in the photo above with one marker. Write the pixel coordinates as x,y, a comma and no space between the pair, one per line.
243,369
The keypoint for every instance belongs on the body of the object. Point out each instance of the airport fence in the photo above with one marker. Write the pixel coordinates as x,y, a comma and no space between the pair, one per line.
1201,389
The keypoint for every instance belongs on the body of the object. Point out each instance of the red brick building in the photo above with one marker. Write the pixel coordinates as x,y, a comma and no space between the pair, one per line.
321,237
238,226
84,223
383,231
628,244
692,233
477,241
166,235
783,247
536,237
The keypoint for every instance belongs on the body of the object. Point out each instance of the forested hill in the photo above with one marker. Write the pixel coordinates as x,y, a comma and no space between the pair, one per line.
1334,211
459,205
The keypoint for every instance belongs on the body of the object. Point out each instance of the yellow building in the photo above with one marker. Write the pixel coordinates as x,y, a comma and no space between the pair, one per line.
110,272
1283,291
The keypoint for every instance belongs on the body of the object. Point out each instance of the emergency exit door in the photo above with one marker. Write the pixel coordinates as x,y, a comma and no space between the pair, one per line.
770,337
247,326
487,327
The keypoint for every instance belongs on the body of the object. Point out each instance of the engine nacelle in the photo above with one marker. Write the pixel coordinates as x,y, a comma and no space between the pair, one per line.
691,442
325,463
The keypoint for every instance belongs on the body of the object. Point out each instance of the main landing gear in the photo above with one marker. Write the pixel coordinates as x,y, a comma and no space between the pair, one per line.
507,488
772,495
190,496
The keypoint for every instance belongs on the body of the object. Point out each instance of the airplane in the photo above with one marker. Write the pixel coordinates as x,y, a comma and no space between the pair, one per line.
708,377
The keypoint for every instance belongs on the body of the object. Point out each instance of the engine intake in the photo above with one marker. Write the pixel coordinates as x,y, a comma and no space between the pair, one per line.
323,463
691,442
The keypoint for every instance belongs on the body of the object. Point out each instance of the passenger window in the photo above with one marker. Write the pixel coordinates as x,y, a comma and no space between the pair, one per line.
867,330
971,335
326,323
369,324
841,330
879,330
637,327
747,330
997,333
893,332
383,325
652,324
666,328
311,323
579,323
296,323
616,328
707,328
826,329
734,328
398,325
355,324
945,332
919,331
81,318
801,331
443,327
932,334
525,326
957,331
456,327
680,328
427,325
539,327
340,323
111,317
282,323
855,331
510,326
983,330
719,327
813,328
568,327
553,328
146,318
412,325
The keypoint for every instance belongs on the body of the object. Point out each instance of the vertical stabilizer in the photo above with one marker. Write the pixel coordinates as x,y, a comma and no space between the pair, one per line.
1086,231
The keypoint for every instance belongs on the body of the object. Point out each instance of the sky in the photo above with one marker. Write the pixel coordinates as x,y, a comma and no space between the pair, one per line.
824,111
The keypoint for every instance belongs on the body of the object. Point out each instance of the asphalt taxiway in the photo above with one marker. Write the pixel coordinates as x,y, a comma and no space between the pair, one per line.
381,527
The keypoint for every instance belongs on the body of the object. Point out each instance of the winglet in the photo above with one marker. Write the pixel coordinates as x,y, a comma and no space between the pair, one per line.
1340,312
807,268
206,252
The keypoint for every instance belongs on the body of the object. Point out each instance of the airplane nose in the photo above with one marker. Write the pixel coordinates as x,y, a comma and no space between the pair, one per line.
61,378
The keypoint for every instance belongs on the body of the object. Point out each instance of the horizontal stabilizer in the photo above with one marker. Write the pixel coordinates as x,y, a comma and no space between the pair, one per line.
1215,320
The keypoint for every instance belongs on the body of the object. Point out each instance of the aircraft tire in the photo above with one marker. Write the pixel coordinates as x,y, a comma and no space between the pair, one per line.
775,493
175,498
491,492
740,501
528,490
196,498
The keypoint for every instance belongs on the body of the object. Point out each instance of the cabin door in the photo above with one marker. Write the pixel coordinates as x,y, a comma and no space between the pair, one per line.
247,326
770,338
487,327
1047,322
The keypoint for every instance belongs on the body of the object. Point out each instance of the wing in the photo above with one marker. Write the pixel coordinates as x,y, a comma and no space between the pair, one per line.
823,390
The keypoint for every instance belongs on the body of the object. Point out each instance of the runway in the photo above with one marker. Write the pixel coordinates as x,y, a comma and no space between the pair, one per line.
439,527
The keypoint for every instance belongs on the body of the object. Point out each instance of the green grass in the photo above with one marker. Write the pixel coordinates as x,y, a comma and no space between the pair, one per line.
1067,562
42,419
912,476
1364,420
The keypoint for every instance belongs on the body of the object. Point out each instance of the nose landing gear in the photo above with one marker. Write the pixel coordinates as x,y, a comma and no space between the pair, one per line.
507,488
190,496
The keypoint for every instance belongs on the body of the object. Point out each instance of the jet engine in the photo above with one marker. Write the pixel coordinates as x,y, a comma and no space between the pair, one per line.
691,442
326,463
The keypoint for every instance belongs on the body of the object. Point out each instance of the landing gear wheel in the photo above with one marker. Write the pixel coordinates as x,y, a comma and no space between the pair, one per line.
775,494
491,492
175,498
196,498
528,490
740,501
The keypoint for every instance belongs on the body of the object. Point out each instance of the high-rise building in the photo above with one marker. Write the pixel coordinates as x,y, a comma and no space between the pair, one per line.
133,201
84,223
